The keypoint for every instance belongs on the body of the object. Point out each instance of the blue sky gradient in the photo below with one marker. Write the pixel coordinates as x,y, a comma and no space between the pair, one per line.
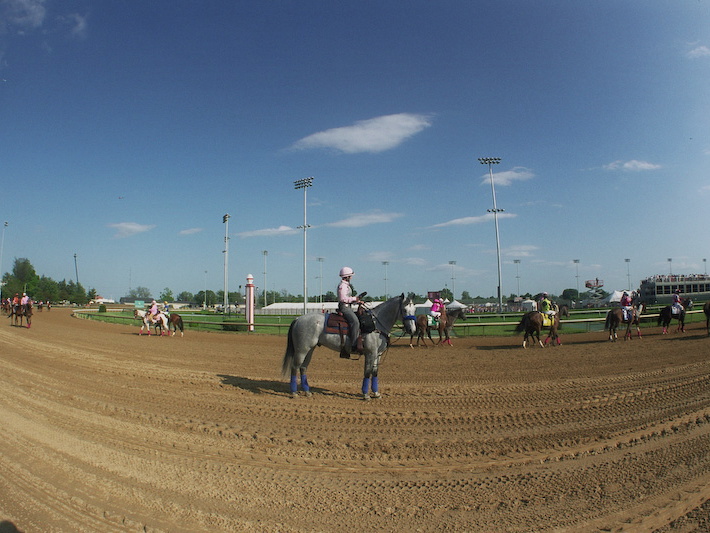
127,129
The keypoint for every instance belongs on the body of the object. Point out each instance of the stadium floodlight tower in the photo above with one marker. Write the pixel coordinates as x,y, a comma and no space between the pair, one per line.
304,184
225,302
490,161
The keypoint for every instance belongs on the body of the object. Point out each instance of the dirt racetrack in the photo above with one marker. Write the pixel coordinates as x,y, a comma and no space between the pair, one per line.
103,430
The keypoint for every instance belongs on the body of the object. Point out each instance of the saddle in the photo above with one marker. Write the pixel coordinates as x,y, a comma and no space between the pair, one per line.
336,324
431,321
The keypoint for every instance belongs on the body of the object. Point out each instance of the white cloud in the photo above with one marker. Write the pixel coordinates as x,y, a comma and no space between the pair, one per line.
699,51
520,250
364,219
269,232
22,14
190,231
373,135
128,229
632,165
466,221
508,177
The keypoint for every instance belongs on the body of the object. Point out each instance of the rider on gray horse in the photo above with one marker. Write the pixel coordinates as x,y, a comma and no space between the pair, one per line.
345,300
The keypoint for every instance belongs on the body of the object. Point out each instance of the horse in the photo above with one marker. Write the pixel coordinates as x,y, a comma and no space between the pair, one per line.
22,311
409,320
161,322
444,324
564,311
175,322
706,310
666,315
308,331
615,317
532,324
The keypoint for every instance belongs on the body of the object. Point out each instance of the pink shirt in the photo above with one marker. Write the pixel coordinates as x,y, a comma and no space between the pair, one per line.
345,293
437,307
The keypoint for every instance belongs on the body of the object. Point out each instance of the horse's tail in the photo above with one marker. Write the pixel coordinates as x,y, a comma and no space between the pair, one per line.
607,323
290,353
660,316
179,323
521,327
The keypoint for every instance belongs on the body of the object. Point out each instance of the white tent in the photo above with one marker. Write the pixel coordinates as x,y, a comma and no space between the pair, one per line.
614,297
529,305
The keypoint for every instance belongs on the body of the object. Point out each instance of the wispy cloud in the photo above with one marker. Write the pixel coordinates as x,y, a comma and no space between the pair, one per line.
269,232
365,219
509,176
21,15
76,24
128,229
633,165
520,250
373,135
190,231
699,51
466,221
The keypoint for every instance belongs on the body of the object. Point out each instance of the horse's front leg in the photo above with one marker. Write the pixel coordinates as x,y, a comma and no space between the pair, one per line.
370,381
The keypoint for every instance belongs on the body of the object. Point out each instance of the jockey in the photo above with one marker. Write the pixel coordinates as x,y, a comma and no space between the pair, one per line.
546,306
25,301
677,306
625,304
166,308
345,299
436,308
16,301
153,311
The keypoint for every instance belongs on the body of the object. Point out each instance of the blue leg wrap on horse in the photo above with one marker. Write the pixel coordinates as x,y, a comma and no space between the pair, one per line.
375,384
304,383
365,385
294,384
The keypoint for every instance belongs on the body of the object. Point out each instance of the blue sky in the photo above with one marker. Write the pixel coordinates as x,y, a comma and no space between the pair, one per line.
128,129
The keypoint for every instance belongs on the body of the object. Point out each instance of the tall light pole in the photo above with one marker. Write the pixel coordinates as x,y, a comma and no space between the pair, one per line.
225,221
2,246
204,301
385,263
670,266
265,252
304,184
576,264
453,279
628,273
517,273
705,261
490,161
76,271
320,261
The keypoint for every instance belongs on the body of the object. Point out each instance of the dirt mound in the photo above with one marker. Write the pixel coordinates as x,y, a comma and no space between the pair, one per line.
105,430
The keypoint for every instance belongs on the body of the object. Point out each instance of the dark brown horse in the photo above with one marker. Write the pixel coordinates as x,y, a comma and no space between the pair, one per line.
175,322
532,324
706,310
615,317
665,316
22,311
443,326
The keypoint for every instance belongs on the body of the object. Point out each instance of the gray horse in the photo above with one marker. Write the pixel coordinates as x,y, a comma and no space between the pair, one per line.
308,331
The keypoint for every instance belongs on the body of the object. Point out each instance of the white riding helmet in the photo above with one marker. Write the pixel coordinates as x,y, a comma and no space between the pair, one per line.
346,272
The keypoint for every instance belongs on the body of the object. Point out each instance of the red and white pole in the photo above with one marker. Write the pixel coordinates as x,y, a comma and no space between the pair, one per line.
249,304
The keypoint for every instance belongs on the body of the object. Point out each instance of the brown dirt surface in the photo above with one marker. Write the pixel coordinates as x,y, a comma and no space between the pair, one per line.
104,430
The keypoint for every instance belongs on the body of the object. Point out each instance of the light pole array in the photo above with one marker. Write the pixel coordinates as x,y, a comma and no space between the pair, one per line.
266,253
517,273
225,303
628,273
2,247
76,271
453,280
385,263
320,261
304,184
705,261
490,161
670,266
576,264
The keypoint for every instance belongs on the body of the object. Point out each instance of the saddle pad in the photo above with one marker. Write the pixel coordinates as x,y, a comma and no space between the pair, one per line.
336,324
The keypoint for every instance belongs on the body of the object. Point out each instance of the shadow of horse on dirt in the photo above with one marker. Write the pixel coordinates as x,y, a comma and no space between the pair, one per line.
275,388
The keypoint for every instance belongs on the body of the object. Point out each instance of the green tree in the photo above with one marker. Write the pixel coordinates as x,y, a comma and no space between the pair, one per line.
570,294
166,295
184,297
139,293
446,294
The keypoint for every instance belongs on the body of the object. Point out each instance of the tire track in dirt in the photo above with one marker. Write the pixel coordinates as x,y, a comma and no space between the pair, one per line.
108,431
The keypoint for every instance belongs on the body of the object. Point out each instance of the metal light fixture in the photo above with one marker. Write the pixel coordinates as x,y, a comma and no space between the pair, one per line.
490,161
304,184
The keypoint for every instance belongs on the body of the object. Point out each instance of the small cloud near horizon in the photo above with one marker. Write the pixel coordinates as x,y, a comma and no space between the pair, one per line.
699,51
190,231
633,165
268,232
128,229
373,135
364,219
465,221
507,177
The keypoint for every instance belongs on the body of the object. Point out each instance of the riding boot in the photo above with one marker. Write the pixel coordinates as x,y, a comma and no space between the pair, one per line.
344,351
